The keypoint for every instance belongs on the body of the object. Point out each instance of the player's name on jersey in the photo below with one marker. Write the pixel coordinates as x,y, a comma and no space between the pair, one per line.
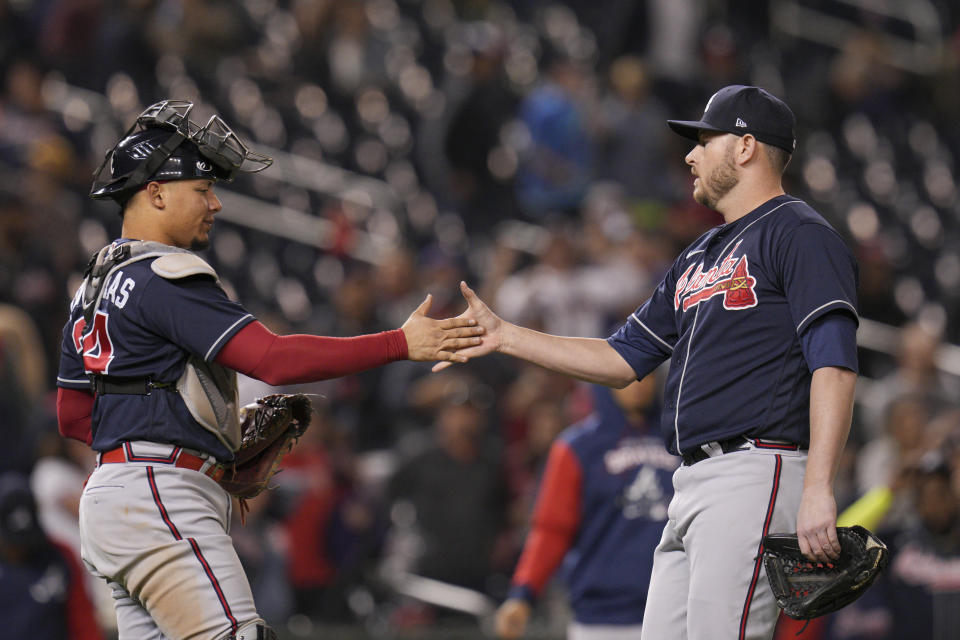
118,293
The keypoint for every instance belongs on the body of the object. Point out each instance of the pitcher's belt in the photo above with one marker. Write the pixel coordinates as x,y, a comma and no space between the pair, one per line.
737,443
177,457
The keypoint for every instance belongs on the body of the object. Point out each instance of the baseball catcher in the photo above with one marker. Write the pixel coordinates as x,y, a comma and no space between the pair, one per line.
805,589
149,362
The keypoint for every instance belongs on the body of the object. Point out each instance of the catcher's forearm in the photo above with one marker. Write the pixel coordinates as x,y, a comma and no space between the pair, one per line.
831,411
259,353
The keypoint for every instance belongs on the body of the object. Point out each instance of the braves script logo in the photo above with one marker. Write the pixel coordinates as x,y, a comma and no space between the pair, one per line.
731,279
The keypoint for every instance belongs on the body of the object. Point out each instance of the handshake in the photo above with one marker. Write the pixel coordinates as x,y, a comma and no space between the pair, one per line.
475,332
479,331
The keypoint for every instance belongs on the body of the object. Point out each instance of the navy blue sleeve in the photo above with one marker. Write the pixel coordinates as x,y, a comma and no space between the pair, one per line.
648,336
831,341
71,374
193,313
819,274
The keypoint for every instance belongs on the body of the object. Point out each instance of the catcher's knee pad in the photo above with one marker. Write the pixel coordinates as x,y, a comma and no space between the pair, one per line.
256,630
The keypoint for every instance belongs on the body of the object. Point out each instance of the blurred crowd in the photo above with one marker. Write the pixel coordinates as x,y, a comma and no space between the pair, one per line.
520,146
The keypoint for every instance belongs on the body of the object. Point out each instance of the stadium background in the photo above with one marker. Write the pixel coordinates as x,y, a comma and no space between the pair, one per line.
517,145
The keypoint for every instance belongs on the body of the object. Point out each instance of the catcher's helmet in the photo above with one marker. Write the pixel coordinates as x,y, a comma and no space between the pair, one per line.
164,144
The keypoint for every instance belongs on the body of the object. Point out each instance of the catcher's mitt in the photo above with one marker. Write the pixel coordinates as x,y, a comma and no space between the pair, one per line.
806,589
269,428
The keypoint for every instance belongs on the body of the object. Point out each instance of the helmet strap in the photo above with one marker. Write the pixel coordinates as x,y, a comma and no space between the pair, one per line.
157,158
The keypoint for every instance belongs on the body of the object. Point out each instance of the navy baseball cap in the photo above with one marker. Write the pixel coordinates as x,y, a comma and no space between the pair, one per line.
740,110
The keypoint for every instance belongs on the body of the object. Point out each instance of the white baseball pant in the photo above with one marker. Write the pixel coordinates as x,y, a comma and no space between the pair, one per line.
708,580
159,535
578,631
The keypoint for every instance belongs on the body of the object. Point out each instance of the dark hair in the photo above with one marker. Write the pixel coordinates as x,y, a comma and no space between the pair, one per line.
779,158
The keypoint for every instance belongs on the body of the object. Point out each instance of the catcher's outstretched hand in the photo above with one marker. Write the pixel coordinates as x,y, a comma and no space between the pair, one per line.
817,525
430,339
492,335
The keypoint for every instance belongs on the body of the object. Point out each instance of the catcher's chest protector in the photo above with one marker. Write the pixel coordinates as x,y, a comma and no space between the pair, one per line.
208,389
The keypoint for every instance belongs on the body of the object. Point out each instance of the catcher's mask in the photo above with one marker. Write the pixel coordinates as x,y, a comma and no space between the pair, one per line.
164,144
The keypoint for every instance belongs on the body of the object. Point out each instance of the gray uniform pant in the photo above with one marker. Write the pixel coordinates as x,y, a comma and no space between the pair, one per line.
158,535
708,580
577,631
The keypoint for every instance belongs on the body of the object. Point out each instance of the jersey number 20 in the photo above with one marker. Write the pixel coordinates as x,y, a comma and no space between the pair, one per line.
94,345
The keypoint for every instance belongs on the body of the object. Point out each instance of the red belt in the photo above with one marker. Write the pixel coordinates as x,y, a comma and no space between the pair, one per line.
178,458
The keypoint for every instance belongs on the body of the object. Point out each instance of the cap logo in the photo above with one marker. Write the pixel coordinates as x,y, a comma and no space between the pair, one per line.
741,123
142,150
202,166
709,102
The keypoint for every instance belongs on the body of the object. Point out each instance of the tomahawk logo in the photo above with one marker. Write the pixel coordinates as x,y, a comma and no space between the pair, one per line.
731,279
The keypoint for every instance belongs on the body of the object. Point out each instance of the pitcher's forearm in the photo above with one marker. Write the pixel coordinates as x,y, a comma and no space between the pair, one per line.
831,409
589,359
